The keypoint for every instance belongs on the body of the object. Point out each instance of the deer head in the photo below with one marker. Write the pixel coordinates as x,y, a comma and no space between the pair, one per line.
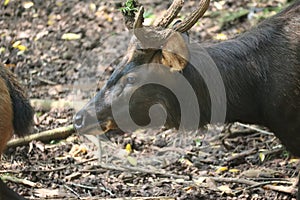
155,45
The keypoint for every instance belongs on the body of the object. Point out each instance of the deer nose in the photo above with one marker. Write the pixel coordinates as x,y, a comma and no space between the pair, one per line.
79,119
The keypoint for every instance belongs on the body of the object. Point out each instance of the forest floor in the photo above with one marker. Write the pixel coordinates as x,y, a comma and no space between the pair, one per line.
236,162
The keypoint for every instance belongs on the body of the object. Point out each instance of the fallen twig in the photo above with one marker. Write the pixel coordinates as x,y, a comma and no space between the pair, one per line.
242,155
93,188
73,191
234,180
18,180
280,188
46,136
46,81
255,129
266,185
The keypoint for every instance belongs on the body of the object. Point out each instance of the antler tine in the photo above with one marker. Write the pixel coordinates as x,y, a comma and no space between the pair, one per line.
193,17
170,15
138,23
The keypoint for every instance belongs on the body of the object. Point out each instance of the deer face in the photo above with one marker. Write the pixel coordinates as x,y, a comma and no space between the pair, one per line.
154,53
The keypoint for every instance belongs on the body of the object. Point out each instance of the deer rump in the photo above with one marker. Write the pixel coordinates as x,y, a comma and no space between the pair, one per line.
16,117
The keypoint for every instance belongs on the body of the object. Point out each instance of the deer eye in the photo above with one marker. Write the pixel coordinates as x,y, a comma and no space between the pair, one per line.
130,80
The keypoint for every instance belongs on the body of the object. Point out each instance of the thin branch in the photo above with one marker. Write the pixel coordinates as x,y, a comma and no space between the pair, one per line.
241,155
254,128
18,180
73,191
266,185
93,188
234,180
46,136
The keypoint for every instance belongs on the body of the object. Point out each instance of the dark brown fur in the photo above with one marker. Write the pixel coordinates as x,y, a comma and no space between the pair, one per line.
15,117
22,111
260,70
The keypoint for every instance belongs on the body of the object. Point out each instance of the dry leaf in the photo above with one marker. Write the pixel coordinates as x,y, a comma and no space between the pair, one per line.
77,149
189,189
59,3
6,2
70,36
128,148
62,121
22,48
41,34
93,7
41,146
234,170
18,45
28,4
222,169
43,193
221,36
73,176
252,173
225,188
200,180
262,157
185,162
121,153
294,160
132,160
2,50
211,183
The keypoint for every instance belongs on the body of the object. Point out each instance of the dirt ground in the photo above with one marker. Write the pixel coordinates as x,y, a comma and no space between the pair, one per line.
65,50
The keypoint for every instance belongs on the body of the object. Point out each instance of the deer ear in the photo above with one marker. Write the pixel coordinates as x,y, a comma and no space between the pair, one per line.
175,53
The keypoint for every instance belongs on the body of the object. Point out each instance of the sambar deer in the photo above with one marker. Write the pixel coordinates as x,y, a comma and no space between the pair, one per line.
259,71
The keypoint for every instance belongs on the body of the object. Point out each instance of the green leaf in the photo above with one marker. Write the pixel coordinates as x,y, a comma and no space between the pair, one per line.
198,142
129,8
262,157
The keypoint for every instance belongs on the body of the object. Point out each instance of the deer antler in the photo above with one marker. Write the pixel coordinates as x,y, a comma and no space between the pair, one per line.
170,15
139,19
148,36
133,22
193,17
155,35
